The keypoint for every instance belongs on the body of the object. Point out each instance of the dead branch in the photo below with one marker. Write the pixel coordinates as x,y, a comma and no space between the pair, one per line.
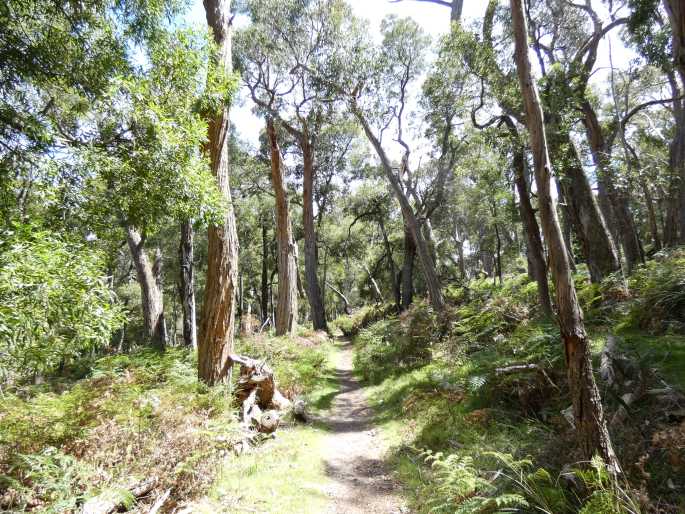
111,502
522,368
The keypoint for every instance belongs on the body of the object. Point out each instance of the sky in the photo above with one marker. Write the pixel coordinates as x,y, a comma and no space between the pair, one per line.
433,18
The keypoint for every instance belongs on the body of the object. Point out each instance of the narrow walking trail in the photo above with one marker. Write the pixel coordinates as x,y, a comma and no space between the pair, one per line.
331,465
354,451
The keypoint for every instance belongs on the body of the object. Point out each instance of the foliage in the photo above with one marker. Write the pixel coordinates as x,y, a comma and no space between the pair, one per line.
460,488
351,325
395,345
300,364
136,415
55,305
156,171
56,478
659,291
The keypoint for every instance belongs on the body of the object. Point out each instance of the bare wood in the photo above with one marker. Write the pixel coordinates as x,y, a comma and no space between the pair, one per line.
108,502
606,367
286,307
519,368
160,502
341,295
151,292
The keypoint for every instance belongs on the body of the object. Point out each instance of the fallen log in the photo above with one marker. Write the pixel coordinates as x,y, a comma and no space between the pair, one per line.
112,501
159,503
258,395
521,368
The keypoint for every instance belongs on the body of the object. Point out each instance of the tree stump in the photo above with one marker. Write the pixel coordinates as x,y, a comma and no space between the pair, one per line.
258,395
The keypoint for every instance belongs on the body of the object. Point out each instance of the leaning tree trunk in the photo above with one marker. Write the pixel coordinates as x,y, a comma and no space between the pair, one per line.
536,252
618,199
566,226
422,249
407,281
151,292
590,424
310,254
187,284
587,220
286,309
218,313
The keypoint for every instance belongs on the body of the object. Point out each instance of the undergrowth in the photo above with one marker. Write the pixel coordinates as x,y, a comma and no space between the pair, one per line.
134,416
498,440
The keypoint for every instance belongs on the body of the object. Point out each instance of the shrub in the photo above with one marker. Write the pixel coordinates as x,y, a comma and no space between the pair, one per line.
659,291
363,317
54,304
394,345
458,485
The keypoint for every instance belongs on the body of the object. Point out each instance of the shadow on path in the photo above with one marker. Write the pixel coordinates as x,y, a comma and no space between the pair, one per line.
361,482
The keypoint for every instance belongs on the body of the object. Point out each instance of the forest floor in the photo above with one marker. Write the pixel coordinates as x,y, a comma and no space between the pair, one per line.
334,464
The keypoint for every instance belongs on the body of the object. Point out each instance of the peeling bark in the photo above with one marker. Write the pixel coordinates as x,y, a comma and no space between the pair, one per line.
591,427
218,313
151,292
286,309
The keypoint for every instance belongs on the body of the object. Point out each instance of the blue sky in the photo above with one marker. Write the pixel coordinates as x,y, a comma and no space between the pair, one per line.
433,18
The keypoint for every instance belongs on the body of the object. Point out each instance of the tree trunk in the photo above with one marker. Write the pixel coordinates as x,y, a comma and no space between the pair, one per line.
151,292
618,199
341,295
427,264
587,220
218,312
187,284
651,214
408,269
498,245
396,288
264,300
286,309
310,251
457,6
590,424
675,225
566,227
536,252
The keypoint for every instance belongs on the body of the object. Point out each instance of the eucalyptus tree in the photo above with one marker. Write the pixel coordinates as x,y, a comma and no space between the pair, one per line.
566,40
57,59
588,412
377,82
676,210
468,71
278,52
218,314
655,29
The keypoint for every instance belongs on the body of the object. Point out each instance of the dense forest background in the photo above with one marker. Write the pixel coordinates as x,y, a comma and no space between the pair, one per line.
496,214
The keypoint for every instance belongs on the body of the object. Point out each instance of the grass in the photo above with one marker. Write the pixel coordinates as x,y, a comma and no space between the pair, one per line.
434,387
285,475
139,415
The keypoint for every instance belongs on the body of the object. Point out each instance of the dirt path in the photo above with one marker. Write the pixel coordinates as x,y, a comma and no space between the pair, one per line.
353,459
